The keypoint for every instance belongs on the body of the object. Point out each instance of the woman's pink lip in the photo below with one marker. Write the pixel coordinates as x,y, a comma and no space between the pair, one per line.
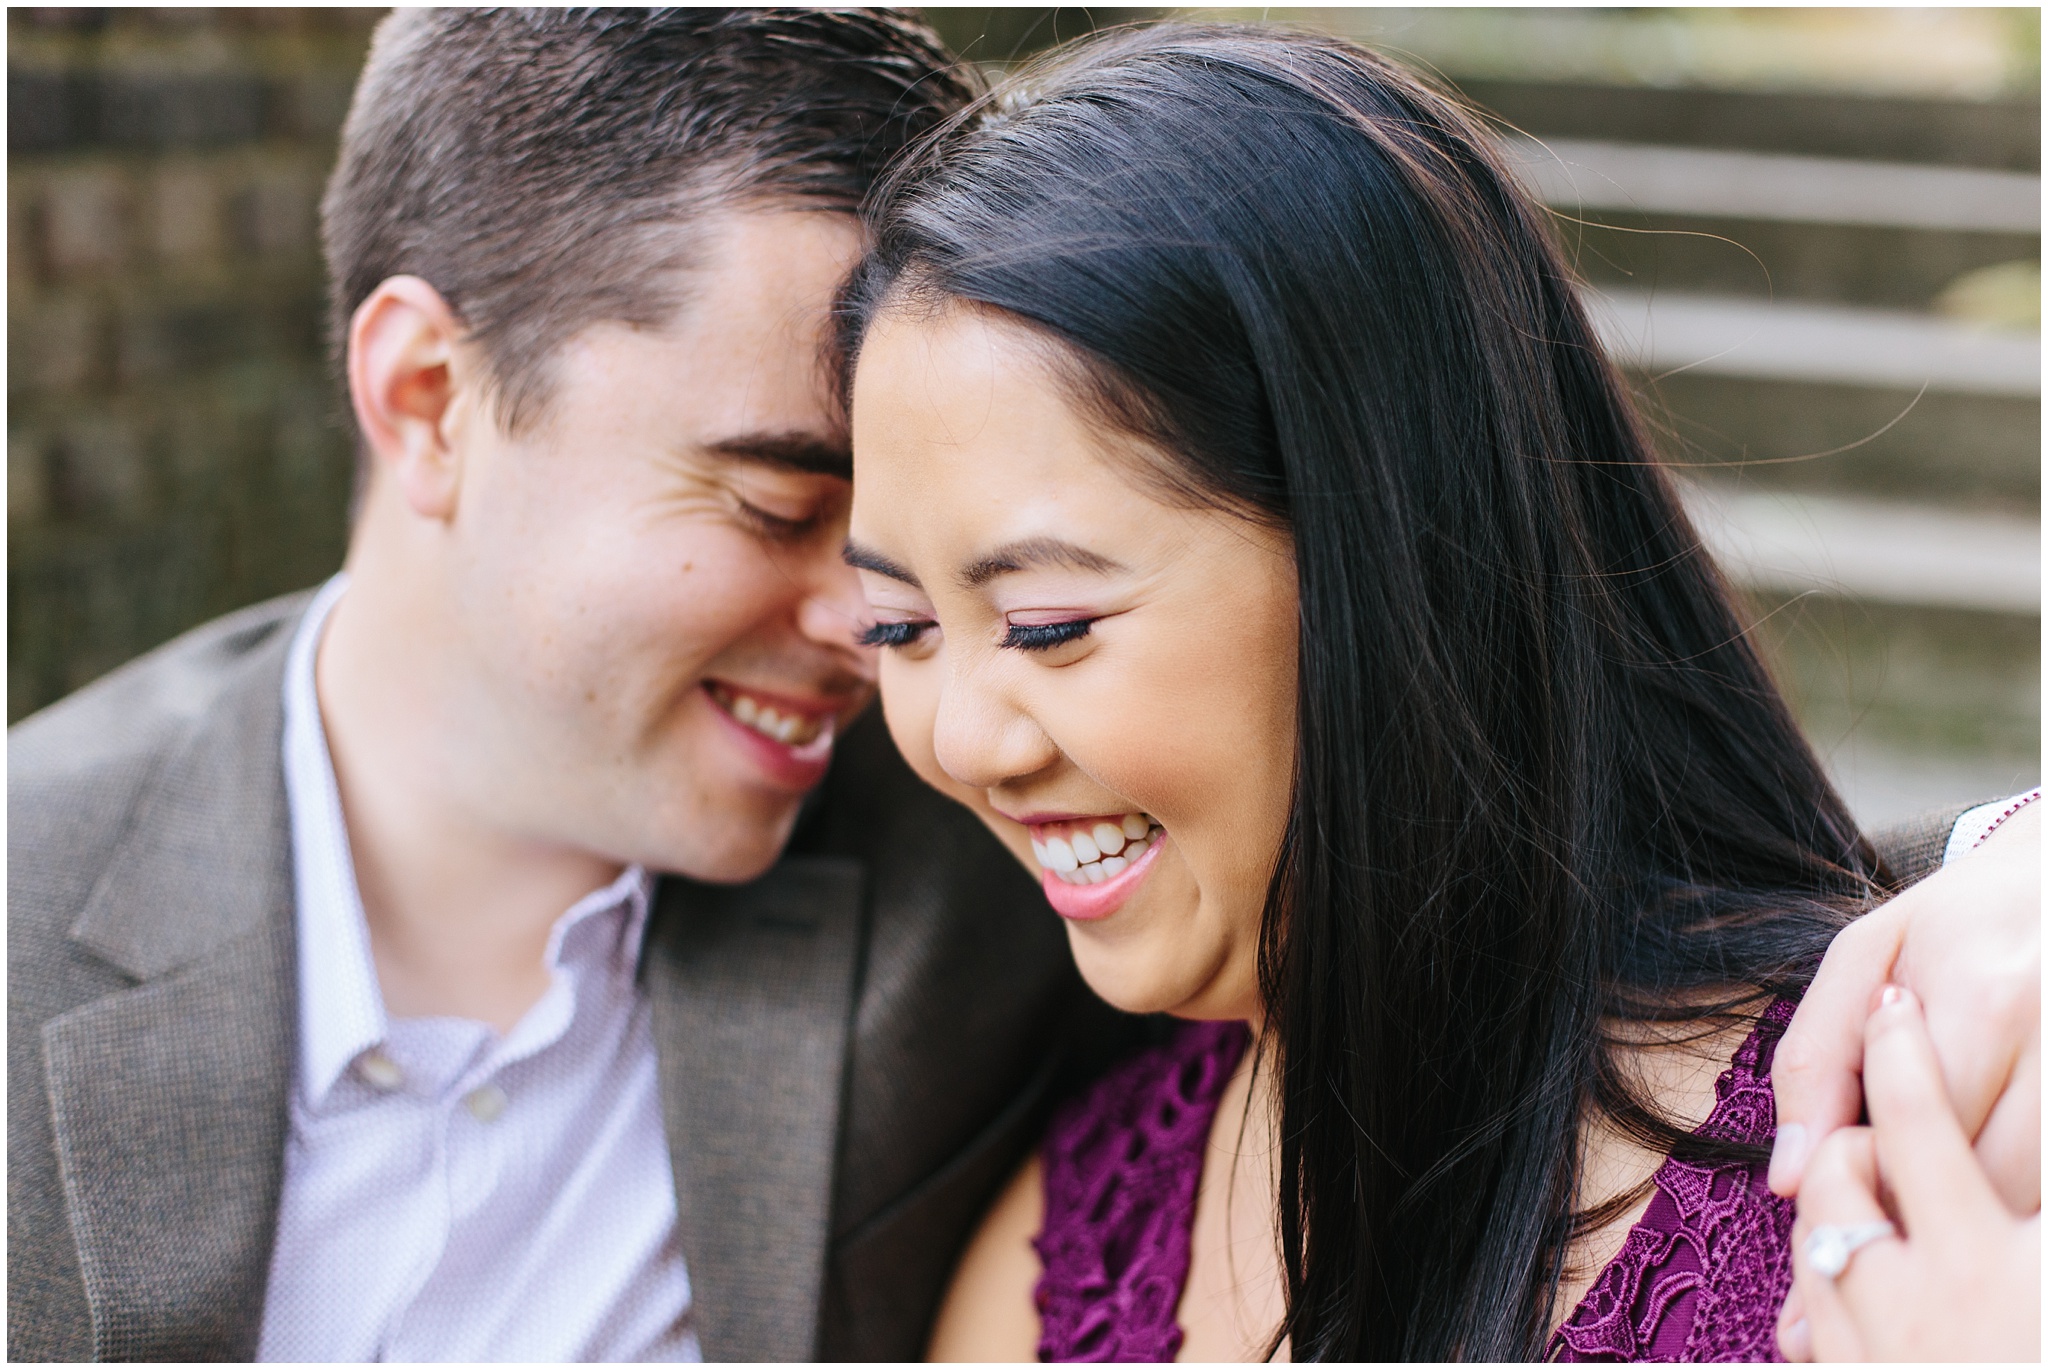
1086,903
1039,820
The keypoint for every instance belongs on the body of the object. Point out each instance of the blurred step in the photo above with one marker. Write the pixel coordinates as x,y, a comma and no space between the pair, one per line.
2001,133
1895,235
1871,550
1877,267
1670,332
1911,705
1582,174
1961,451
1884,785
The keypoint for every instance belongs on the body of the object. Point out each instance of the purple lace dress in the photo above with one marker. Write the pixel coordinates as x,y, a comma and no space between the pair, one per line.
1699,1278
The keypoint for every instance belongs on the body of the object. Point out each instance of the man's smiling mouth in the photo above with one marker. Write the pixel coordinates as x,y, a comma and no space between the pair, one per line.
777,722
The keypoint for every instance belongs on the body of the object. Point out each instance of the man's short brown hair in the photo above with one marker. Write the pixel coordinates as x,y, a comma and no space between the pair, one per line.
532,164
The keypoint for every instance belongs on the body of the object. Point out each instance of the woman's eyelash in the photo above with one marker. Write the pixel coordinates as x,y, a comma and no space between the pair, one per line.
893,634
1039,637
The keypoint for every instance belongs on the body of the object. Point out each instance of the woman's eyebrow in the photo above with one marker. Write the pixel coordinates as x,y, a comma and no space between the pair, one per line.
1031,552
868,559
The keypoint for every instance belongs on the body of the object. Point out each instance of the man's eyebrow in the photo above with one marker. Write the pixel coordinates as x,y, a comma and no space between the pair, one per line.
807,453
1018,556
868,559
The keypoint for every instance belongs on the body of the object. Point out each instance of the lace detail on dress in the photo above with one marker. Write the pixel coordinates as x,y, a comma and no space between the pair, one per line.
1702,1276
1122,1164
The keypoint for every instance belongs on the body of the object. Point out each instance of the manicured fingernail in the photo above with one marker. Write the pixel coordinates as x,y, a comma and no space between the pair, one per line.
1888,996
1797,1343
1788,1154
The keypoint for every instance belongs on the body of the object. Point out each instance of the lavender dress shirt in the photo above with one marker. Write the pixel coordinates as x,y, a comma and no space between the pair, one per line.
451,1194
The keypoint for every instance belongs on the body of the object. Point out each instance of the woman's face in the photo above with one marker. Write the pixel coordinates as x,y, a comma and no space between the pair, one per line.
1105,677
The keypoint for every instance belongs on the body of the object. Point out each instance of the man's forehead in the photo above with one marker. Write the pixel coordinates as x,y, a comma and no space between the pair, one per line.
756,321
776,256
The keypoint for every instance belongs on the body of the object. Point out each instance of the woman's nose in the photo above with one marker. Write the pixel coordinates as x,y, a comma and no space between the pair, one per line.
980,736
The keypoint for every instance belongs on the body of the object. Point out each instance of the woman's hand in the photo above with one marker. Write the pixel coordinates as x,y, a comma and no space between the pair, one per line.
1967,941
1961,1278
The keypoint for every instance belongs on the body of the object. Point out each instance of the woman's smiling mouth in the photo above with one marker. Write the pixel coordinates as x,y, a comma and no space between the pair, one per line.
1091,866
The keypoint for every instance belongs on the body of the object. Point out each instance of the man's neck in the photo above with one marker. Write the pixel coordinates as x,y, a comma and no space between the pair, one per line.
459,903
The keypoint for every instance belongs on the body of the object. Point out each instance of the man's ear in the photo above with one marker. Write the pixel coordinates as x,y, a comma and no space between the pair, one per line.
406,378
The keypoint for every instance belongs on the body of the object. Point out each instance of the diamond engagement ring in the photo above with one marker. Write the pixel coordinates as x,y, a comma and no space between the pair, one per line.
1828,1248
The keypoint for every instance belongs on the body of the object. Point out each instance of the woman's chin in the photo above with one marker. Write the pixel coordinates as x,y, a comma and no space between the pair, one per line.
1127,979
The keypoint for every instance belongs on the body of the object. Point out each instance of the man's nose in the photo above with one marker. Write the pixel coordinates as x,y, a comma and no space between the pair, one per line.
833,609
980,736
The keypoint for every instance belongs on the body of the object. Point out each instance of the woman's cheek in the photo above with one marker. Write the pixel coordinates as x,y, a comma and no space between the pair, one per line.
910,706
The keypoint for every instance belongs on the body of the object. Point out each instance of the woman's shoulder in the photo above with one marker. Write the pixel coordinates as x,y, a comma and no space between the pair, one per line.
1122,1164
1701,1275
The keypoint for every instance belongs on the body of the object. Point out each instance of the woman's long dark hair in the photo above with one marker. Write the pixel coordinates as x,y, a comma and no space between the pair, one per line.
1545,791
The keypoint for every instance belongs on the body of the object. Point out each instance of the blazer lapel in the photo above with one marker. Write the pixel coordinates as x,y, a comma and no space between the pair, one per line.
169,1100
752,991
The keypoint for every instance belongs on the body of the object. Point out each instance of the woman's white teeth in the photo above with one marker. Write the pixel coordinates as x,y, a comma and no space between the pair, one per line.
1088,856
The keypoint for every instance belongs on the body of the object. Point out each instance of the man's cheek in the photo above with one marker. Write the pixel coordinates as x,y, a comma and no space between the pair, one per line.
727,581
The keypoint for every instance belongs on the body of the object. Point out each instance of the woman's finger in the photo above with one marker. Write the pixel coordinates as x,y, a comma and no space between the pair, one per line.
1814,1073
1833,1191
1840,1190
1927,1161
1795,1342
1795,1334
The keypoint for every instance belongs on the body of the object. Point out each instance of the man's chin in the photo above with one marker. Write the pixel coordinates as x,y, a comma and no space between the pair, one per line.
730,845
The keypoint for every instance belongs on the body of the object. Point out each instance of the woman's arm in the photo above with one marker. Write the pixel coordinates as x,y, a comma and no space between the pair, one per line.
988,1314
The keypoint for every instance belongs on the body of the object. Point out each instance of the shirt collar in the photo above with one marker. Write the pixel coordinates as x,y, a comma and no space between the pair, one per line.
341,1007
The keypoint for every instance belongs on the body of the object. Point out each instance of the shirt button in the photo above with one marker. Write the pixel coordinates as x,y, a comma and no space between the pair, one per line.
379,1070
486,1103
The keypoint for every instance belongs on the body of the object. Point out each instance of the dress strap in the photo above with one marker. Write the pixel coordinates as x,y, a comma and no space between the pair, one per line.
1123,1163
1702,1275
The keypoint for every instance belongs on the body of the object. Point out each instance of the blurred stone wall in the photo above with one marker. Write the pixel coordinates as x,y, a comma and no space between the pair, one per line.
174,448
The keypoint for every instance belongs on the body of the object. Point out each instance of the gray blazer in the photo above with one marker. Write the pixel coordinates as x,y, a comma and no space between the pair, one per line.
854,1050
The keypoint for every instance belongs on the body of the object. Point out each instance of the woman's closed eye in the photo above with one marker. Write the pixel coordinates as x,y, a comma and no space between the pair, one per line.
903,633
1043,637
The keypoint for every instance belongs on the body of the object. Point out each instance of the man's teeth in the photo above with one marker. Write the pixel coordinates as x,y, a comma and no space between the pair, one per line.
793,730
1090,853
